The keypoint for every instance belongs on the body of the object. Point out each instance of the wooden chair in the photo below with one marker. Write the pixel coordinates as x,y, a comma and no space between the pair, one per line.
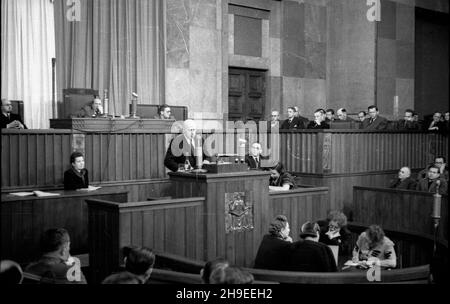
17,108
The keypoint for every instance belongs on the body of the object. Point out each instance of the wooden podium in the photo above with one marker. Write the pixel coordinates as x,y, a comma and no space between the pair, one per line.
236,211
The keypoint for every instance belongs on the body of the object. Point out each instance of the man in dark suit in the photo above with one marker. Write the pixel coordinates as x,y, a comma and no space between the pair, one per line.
342,115
184,147
374,122
432,182
437,124
10,120
408,122
92,110
253,159
164,112
319,120
293,122
404,180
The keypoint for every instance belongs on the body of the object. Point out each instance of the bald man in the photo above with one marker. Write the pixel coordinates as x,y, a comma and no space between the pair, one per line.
404,180
9,120
182,147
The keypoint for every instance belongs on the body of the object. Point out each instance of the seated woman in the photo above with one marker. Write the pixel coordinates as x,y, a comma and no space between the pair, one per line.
334,232
280,180
77,176
372,246
275,246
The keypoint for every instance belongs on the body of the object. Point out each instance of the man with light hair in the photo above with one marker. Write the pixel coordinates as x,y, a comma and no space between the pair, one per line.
342,115
183,147
92,110
274,119
253,159
404,180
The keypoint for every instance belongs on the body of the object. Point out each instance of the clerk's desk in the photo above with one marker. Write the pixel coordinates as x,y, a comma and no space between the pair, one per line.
239,247
24,219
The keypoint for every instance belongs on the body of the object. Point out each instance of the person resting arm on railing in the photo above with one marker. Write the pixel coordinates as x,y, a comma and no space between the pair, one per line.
280,180
373,246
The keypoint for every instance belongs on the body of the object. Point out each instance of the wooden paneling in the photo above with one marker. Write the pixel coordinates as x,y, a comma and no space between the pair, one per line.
398,209
38,158
174,226
24,219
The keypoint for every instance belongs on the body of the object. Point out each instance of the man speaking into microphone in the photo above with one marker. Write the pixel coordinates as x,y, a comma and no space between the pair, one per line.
92,110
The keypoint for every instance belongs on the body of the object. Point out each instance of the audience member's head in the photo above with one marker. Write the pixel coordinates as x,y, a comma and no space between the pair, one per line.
255,149
77,160
341,114
6,106
439,161
275,115
415,116
336,220
211,266
189,129
433,172
330,114
10,273
404,173
297,113
375,235
291,112
164,112
96,103
56,241
373,111
319,115
447,116
122,278
437,117
362,115
409,115
276,170
231,275
139,261
310,231
279,227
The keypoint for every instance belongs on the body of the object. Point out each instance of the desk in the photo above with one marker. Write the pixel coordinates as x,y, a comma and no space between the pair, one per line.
24,219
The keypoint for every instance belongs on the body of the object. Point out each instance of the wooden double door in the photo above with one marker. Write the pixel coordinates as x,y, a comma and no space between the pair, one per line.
246,94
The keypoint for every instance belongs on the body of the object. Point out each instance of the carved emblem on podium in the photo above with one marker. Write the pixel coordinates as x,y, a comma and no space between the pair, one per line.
238,212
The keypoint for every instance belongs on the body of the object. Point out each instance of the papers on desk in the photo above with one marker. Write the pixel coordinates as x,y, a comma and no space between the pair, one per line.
90,188
351,263
37,193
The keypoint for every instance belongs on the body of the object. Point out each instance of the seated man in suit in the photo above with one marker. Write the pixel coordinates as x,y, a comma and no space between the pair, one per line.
374,122
253,159
362,115
404,180
56,265
92,110
309,254
432,182
408,122
319,120
164,112
293,122
10,120
182,148
329,115
437,124
439,161
342,115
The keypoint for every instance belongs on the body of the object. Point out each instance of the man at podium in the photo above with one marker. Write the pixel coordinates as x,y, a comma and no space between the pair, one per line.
184,148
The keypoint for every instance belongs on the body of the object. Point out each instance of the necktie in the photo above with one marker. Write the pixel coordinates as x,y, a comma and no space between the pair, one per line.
256,161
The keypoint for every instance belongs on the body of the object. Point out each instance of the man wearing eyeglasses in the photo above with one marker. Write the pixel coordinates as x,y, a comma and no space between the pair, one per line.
8,119
404,180
408,122
164,112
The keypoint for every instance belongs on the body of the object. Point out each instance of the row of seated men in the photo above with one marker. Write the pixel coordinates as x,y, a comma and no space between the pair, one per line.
276,252
10,120
434,178
368,121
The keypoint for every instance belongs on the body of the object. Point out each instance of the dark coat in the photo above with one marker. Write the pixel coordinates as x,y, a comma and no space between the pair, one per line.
252,163
73,181
407,125
343,241
314,125
296,123
5,120
424,185
380,123
311,256
273,253
174,158
406,184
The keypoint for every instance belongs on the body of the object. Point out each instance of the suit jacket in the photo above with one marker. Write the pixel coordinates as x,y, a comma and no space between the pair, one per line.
423,185
311,256
296,123
380,123
7,120
407,125
314,125
175,157
272,253
74,181
88,112
251,162
406,184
